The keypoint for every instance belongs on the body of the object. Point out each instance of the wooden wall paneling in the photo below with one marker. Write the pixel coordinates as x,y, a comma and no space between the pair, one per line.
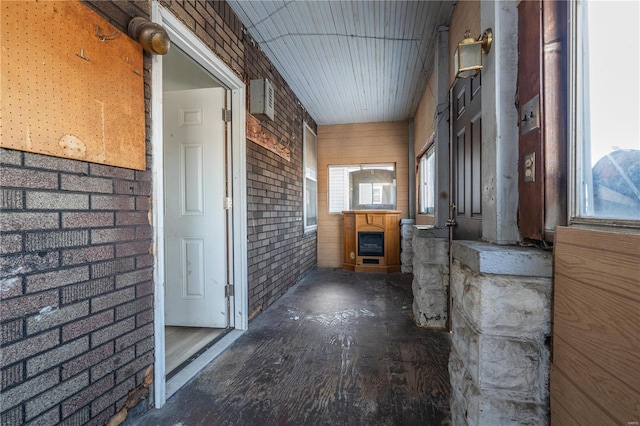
354,144
605,242
595,375
617,396
423,126
370,153
605,260
571,407
72,85
560,415
596,324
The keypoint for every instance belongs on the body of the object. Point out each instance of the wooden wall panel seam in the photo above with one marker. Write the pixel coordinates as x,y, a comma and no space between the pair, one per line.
585,410
588,375
596,337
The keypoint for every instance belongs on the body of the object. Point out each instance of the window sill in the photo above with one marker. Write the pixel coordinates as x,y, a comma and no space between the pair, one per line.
309,234
606,224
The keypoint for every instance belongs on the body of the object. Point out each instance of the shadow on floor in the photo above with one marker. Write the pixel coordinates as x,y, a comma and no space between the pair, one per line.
339,348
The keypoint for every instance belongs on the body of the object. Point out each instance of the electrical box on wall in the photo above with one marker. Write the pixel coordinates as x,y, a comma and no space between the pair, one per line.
261,99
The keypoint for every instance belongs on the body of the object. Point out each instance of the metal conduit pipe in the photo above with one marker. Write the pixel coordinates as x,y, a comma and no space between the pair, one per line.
412,171
451,221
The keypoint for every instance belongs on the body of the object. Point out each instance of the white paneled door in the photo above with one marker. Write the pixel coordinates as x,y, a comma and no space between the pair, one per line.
195,218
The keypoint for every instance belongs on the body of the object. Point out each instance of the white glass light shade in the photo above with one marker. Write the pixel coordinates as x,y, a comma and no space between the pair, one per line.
468,58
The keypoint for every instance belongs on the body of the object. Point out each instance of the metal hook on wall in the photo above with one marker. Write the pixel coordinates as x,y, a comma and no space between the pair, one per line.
81,55
99,32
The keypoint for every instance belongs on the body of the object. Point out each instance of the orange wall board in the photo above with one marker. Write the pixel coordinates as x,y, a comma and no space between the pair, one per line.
72,85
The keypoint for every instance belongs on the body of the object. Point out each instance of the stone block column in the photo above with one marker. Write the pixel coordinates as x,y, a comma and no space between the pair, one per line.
501,315
430,275
406,245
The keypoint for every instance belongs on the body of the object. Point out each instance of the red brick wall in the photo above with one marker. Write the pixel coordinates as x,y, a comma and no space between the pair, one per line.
76,314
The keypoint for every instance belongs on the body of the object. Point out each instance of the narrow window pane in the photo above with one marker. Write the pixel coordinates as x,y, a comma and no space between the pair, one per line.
366,193
608,109
312,202
310,158
362,187
426,194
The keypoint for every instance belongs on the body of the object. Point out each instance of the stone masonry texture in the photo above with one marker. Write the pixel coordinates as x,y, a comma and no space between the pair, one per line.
499,361
406,245
430,267
76,267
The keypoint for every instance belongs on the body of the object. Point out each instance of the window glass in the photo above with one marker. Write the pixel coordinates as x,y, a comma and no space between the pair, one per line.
427,177
310,154
607,95
362,187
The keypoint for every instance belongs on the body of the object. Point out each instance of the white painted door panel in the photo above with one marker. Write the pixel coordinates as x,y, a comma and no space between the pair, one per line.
195,225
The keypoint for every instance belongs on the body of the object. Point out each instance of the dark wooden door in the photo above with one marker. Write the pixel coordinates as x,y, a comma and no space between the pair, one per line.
465,160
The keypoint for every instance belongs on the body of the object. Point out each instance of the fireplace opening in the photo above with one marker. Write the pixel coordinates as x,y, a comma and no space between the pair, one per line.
371,244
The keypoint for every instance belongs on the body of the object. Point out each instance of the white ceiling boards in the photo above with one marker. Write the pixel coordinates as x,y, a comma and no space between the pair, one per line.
349,61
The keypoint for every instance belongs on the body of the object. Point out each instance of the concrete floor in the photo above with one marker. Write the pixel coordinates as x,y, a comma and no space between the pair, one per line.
339,348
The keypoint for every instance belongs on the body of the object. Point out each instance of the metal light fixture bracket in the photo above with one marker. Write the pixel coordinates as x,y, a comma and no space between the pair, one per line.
486,40
151,36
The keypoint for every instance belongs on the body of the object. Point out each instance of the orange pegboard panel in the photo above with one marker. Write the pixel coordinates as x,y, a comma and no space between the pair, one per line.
71,84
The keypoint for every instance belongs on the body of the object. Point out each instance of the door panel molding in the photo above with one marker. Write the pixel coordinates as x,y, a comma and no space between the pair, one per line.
466,160
193,274
191,189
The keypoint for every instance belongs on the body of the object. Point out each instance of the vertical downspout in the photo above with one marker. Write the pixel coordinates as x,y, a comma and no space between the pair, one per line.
451,222
412,172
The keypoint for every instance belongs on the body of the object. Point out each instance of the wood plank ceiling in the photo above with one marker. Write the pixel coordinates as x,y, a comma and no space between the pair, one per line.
349,61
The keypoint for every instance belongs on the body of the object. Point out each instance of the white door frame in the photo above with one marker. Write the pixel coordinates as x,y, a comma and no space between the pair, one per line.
183,38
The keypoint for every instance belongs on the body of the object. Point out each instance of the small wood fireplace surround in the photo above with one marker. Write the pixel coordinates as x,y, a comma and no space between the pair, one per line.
371,240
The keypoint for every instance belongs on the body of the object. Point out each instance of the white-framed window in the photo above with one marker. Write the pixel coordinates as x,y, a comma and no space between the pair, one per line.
362,187
426,182
604,99
310,184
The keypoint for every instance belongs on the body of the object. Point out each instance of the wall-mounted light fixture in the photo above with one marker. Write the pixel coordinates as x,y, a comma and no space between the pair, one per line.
468,56
151,36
